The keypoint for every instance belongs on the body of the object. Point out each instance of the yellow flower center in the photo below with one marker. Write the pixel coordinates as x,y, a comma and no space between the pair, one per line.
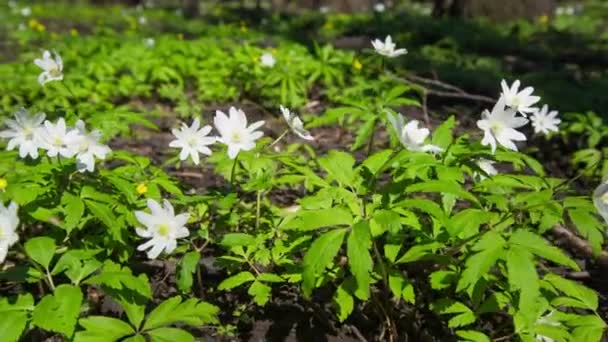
604,198
3,184
496,127
163,230
54,71
57,141
237,137
141,188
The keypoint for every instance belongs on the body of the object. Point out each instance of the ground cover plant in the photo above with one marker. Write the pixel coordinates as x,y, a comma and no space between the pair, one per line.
245,176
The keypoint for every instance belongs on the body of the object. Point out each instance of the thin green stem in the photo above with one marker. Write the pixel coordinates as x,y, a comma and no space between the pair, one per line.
59,160
381,263
50,279
258,208
278,139
236,160
69,90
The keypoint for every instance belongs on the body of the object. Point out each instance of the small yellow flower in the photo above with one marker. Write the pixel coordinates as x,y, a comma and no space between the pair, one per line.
180,36
357,65
3,184
142,188
543,19
74,32
54,35
328,26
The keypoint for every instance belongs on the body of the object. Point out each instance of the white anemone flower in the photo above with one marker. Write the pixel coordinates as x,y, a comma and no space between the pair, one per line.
9,221
545,121
149,43
487,166
411,136
387,48
379,7
89,148
520,101
163,228
499,126
57,139
268,60
600,200
52,68
192,140
234,131
295,124
23,132
26,11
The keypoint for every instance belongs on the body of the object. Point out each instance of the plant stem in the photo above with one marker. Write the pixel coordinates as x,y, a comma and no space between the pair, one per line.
69,90
236,160
258,209
59,160
370,143
50,279
279,138
381,263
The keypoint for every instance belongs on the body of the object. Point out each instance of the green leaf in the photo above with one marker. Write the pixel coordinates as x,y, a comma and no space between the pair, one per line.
477,265
522,276
191,312
401,287
59,311
121,278
376,161
237,239
364,133
236,280
104,213
465,316
170,335
345,303
305,220
41,250
73,208
260,292
339,166
586,296
102,329
589,226
186,268
442,279
467,222
418,252
442,186
472,336
359,258
442,135
540,247
15,316
321,252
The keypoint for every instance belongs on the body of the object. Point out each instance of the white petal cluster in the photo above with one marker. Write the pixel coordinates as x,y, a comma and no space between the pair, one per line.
162,227
545,121
22,132
267,60
295,124
52,68
193,140
9,221
57,139
379,7
234,131
411,136
600,200
499,126
30,133
520,101
89,148
487,166
387,48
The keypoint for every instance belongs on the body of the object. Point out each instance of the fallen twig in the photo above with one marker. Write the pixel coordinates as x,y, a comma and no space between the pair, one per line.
580,245
452,90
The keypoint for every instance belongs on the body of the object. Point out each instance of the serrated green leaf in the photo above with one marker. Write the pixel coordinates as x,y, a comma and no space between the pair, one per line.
236,280
305,220
522,276
321,252
345,303
339,166
170,335
472,336
359,258
102,329
540,247
172,311
585,295
186,268
477,265
260,292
